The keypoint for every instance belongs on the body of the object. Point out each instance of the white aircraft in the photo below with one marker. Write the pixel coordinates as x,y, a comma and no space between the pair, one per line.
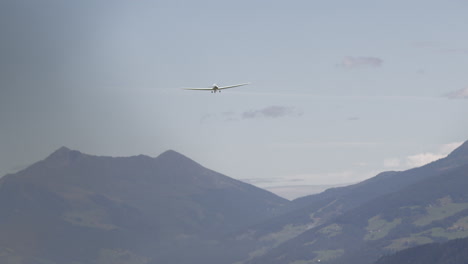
216,88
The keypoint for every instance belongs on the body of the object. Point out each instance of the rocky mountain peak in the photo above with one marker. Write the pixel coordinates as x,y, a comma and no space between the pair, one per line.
63,157
171,157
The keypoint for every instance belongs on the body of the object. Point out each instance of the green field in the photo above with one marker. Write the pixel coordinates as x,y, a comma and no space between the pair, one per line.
288,232
434,213
378,228
406,242
331,230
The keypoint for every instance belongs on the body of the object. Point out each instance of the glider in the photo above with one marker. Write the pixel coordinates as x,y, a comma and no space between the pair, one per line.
217,88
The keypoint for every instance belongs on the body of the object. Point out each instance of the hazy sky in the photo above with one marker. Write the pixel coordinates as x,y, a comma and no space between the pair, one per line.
341,90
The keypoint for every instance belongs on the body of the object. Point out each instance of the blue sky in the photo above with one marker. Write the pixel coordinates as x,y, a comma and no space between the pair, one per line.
340,90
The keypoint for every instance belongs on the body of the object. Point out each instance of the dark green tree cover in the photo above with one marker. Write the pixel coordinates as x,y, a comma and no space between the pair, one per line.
451,252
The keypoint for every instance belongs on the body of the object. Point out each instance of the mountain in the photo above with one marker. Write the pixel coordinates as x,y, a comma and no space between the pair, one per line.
451,252
78,208
390,212
315,210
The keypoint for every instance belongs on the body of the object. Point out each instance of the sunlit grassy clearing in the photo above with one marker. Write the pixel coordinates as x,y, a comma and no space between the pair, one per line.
435,213
379,228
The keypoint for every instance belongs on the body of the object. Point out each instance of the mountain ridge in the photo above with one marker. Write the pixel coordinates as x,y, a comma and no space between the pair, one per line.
142,209
151,208
351,221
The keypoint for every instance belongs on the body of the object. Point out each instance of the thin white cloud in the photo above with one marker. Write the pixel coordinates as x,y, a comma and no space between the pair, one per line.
458,94
274,111
350,62
392,163
421,159
448,148
296,185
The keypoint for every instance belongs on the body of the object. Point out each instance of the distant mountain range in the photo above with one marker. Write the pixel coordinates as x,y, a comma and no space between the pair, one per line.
78,208
387,213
